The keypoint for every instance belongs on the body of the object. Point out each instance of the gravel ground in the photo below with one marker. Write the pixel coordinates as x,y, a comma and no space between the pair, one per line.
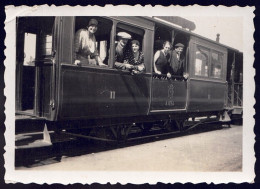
214,151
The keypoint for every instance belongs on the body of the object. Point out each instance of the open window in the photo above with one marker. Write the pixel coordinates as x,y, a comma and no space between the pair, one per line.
121,48
102,36
161,35
136,33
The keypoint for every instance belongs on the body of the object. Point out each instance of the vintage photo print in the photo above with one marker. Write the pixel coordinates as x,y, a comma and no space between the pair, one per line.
129,94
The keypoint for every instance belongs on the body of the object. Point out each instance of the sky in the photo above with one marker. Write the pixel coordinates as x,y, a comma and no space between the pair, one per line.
229,28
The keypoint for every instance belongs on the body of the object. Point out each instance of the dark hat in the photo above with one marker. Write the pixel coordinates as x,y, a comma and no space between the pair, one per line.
135,42
93,22
179,45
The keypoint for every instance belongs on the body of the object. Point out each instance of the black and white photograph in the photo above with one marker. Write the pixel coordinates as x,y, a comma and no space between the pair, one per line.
141,95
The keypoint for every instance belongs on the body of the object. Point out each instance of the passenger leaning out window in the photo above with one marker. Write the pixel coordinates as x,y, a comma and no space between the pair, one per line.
161,60
177,60
85,50
134,58
123,38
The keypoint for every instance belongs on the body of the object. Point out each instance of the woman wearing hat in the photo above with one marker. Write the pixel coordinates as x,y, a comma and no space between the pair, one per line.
85,50
134,58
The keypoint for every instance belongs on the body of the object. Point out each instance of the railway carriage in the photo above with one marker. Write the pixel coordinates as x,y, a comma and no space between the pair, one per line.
64,96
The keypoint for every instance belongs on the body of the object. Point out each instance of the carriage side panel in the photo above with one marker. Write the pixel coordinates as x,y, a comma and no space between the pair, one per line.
98,93
207,82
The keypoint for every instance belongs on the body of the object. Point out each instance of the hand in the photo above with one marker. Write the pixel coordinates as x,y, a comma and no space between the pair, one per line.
135,72
169,75
128,66
140,68
101,64
158,72
77,63
186,75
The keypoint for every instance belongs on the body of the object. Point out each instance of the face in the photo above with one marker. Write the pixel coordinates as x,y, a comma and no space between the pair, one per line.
92,29
166,47
123,42
135,47
179,50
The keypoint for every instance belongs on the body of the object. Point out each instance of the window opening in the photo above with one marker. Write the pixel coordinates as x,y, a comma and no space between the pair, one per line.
88,49
161,35
128,48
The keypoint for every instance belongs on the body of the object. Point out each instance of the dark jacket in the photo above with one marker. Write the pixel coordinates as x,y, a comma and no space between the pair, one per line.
176,66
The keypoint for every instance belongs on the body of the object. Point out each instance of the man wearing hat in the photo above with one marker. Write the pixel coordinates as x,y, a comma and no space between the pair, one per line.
85,50
123,38
176,60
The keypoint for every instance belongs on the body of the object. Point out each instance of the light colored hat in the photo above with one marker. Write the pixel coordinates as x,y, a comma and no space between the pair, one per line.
124,35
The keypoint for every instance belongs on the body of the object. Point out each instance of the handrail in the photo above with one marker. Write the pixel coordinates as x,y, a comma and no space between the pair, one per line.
52,103
238,98
186,59
236,92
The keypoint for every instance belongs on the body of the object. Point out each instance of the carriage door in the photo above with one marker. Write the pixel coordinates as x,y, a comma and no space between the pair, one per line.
25,70
34,65
168,94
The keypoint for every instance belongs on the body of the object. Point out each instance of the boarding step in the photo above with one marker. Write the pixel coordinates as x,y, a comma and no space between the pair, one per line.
38,140
26,124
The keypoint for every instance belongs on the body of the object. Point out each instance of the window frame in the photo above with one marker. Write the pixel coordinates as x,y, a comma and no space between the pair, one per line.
212,49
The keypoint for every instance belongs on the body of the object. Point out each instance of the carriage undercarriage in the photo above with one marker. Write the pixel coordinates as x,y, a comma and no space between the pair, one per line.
121,132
